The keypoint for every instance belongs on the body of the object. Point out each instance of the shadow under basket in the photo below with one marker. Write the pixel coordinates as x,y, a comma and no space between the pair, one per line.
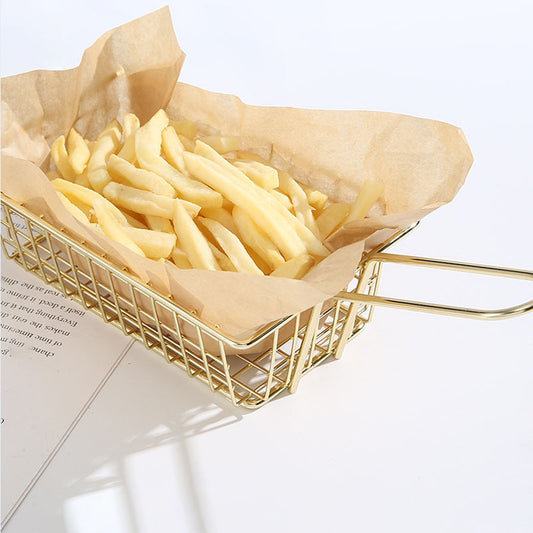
248,372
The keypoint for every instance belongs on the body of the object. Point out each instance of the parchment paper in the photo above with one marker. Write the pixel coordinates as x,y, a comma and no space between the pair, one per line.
134,68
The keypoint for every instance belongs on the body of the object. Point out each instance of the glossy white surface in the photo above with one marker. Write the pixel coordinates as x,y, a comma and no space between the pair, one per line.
426,422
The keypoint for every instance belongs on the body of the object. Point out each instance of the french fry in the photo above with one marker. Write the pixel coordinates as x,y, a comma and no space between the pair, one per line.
191,240
331,218
60,157
296,268
315,198
304,234
223,144
245,197
111,227
78,151
145,202
253,237
263,175
185,128
220,215
292,189
75,211
131,124
180,258
368,196
81,195
158,223
148,147
173,149
283,199
232,246
154,244
222,259
250,156
106,143
138,177
85,207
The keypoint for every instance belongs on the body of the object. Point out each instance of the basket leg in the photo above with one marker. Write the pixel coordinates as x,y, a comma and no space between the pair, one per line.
305,347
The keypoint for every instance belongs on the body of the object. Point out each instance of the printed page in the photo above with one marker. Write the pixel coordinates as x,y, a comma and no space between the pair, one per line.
55,358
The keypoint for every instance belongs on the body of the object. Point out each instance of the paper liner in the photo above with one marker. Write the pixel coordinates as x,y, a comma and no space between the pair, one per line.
134,68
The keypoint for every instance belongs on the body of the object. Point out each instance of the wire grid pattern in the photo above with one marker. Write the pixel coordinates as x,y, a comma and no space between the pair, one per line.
288,349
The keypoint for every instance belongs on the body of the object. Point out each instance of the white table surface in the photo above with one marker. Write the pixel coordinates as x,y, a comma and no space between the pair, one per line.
426,424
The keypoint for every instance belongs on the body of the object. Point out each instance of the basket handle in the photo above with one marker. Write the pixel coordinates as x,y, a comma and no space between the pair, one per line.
484,314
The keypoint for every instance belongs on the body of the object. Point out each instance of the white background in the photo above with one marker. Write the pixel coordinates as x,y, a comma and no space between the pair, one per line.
426,424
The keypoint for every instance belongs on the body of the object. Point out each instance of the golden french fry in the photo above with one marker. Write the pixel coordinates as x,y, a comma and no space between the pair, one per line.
223,144
191,240
220,215
263,175
148,147
283,199
111,227
106,143
180,258
243,195
81,195
304,234
138,177
253,237
292,189
232,246
78,151
131,124
250,156
185,128
159,223
86,209
222,259
173,149
315,198
145,202
154,244
75,211
60,157
296,268
331,218
368,196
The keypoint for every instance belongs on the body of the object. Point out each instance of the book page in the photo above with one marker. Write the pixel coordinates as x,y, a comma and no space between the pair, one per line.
55,358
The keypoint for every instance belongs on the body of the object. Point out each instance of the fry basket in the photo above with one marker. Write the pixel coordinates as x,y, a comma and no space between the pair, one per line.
248,378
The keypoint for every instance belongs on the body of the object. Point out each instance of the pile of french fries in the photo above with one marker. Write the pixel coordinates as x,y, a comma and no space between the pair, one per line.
198,202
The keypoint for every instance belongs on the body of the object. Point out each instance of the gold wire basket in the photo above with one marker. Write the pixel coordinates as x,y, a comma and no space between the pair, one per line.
287,349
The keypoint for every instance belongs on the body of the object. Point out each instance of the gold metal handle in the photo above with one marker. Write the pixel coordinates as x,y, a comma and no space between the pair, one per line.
484,314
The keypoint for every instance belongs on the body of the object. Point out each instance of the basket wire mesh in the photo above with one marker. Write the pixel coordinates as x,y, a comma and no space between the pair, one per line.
248,372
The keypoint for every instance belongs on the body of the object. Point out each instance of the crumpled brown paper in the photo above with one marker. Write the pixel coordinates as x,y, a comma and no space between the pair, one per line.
134,68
